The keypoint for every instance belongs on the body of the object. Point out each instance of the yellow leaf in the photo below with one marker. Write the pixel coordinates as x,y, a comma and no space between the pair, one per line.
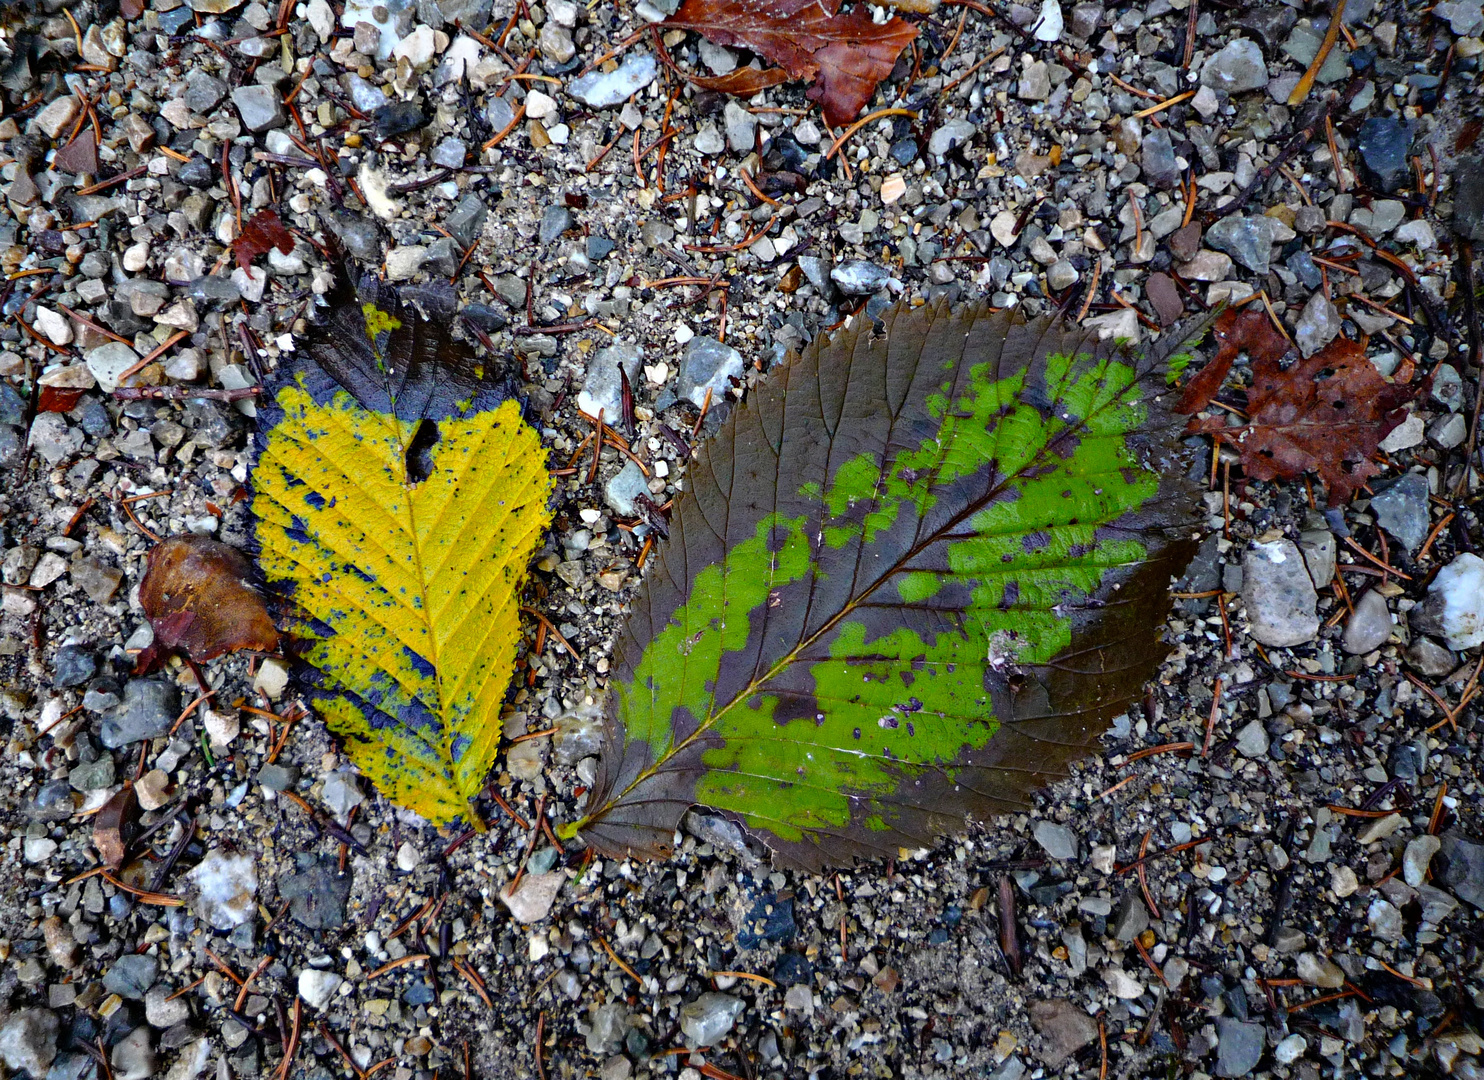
407,593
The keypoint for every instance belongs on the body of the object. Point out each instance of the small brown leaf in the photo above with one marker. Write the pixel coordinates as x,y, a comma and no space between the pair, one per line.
1325,415
845,56
261,232
115,825
198,599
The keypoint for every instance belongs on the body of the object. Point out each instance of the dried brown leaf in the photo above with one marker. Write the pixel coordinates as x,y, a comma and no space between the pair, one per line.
262,231
198,599
115,826
846,56
1324,415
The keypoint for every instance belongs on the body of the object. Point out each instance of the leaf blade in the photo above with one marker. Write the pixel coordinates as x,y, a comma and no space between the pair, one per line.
820,663
404,588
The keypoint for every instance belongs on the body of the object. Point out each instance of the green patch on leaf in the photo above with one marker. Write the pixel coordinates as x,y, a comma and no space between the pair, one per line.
909,581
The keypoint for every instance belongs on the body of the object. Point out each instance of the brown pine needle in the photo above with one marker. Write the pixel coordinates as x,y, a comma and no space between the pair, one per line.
615,958
410,958
744,975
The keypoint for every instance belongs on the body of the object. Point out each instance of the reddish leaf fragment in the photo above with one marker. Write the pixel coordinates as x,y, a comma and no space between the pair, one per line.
1325,415
59,398
845,56
262,231
198,599
743,82
115,826
1247,330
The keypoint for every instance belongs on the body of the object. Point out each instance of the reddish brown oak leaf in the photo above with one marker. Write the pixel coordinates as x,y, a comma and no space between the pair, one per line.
199,601
261,231
1324,415
845,56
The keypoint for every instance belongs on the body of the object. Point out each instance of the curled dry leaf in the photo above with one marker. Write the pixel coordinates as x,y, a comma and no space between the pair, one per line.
1325,415
743,82
115,826
198,597
261,232
845,56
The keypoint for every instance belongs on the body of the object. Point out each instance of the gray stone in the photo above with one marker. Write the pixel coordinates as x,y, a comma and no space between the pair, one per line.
1062,275
949,135
203,92
1369,626
1468,198
132,975
1316,970
1318,324
1401,509
97,580
1239,1046
706,1021
134,1057
1058,841
148,711
275,777
466,222
1430,658
1252,740
73,666
609,1023
53,438
317,895
1417,858
1447,387
817,270
556,43
707,364
317,987
1157,159
1035,82
1279,595
578,735
1131,918
602,388
28,1041
709,141
740,125
624,488
1248,240
225,886
859,277
1384,920
1463,867
450,153
1236,68
261,107
600,90
342,792
1383,143
163,1012
555,220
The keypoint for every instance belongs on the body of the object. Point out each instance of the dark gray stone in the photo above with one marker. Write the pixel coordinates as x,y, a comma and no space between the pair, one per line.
398,118
860,277
1157,160
132,975
1468,198
317,895
149,708
555,220
1239,1046
467,220
73,666
1401,509
1383,144
1463,869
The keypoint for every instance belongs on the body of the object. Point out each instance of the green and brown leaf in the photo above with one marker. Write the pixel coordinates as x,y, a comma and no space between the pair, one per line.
909,581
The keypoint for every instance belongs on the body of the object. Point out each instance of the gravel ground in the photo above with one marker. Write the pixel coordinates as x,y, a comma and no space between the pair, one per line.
1274,868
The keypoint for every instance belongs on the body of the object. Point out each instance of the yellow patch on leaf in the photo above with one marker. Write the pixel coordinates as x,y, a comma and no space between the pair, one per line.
407,593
